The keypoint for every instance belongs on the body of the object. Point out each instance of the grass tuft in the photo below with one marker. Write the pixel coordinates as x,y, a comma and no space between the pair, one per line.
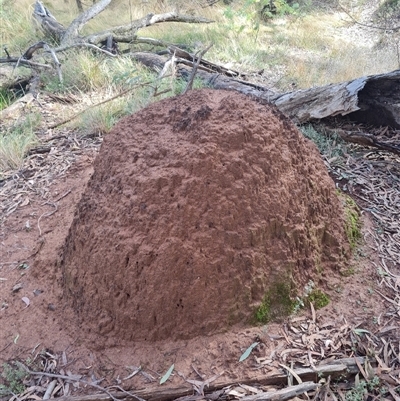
16,141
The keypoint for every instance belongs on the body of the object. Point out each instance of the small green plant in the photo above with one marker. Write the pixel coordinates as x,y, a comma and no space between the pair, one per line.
328,144
13,378
318,298
347,272
363,388
311,295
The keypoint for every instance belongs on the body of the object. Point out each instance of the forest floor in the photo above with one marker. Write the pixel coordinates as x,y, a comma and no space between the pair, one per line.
38,202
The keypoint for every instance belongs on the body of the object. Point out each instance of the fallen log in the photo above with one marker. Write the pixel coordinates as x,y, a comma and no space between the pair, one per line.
373,100
212,79
343,368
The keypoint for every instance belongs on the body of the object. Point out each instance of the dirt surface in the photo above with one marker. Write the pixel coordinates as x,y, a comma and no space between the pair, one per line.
32,239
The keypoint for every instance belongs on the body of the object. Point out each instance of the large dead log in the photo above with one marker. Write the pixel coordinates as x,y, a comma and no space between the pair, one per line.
372,99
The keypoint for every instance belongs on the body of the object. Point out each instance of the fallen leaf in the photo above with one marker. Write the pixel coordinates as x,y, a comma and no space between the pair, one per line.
26,301
167,375
247,353
17,287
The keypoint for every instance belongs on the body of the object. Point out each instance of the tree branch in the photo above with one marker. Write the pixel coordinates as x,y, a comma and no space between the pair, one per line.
395,28
76,25
127,33
21,61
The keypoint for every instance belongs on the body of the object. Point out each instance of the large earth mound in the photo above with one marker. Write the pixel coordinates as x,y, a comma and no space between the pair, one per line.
198,207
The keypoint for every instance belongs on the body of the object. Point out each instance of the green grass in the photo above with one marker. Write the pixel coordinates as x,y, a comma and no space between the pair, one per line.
6,98
329,145
17,31
16,141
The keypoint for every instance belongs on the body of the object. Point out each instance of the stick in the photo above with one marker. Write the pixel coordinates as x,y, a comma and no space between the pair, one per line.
194,70
284,394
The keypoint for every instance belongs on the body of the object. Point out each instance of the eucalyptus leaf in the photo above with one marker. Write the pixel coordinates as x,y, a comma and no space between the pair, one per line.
247,353
167,375
359,332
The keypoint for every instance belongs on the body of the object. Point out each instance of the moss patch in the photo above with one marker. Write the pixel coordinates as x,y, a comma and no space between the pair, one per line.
276,304
352,224
352,221
318,298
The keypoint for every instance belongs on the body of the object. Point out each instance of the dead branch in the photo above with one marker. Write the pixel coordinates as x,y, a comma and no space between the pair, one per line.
283,394
364,139
47,22
61,49
127,33
124,33
72,32
26,63
187,59
382,28
195,67
340,368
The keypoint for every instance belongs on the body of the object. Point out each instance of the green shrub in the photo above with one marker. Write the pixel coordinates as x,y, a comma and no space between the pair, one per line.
13,380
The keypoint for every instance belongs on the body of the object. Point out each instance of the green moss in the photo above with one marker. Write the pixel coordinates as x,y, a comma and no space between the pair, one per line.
347,272
276,304
318,298
352,222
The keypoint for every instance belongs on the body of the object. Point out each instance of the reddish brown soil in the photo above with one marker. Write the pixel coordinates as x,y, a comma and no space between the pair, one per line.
48,323
198,206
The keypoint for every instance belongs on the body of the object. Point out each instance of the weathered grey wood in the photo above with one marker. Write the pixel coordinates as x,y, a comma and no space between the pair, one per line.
215,80
283,394
344,368
125,33
372,99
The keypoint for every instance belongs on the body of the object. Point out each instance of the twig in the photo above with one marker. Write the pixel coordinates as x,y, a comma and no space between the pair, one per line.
90,45
127,392
47,214
63,196
395,28
194,70
64,377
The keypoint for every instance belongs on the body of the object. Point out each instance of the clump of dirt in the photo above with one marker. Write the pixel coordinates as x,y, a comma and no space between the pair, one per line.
198,206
